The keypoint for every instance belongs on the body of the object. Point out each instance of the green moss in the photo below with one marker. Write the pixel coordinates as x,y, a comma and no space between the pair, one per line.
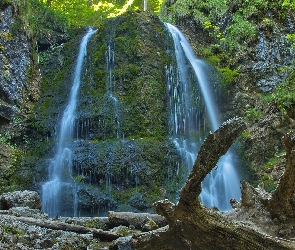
246,135
283,97
95,224
269,183
5,35
227,75
123,196
4,3
253,114
12,230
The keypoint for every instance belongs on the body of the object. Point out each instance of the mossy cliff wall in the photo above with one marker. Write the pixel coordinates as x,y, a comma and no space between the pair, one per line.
19,90
123,157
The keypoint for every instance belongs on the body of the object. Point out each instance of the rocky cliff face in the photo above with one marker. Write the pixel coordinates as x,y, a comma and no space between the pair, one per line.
16,64
19,84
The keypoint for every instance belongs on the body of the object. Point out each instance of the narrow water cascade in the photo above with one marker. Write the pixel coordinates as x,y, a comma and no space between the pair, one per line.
191,101
110,87
59,192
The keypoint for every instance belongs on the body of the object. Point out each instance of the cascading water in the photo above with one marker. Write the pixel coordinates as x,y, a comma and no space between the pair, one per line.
222,184
59,192
110,60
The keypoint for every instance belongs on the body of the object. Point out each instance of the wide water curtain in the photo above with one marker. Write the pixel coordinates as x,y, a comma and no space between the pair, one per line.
223,183
59,192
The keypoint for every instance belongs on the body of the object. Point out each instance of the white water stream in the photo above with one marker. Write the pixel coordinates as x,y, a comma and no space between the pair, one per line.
222,183
59,192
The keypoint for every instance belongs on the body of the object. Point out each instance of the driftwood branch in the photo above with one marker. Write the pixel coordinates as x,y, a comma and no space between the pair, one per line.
213,148
193,226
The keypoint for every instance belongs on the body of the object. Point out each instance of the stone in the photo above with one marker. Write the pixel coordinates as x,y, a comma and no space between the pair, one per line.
25,198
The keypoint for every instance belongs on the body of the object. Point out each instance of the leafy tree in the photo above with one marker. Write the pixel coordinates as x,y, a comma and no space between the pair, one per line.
92,12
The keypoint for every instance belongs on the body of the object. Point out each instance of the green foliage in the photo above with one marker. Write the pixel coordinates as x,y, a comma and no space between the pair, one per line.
5,138
246,135
283,96
227,75
123,196
253,114
216,55
4,3
92,13
269,183
289,3
291,38
22,171
244,16
95,223
200,11
240,33
12,229
213,8
273,161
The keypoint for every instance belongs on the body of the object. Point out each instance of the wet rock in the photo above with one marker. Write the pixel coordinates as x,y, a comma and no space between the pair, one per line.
138,201
123,243
93,202
18,235
272,52
25,198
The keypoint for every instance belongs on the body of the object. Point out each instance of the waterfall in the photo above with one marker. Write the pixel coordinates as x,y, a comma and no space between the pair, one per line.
59,193
222,183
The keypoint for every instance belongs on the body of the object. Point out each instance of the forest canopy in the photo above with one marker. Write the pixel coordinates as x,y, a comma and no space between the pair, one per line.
91,12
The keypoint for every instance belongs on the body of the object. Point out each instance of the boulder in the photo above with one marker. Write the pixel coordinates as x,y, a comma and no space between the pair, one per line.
25,198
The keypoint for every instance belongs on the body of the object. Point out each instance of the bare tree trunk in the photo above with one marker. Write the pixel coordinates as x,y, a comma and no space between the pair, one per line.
282,203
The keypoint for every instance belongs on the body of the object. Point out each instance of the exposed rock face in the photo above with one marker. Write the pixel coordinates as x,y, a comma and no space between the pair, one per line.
16,61
19,85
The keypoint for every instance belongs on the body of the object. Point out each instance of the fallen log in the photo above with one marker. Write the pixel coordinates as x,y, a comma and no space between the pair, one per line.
133,219
57,225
